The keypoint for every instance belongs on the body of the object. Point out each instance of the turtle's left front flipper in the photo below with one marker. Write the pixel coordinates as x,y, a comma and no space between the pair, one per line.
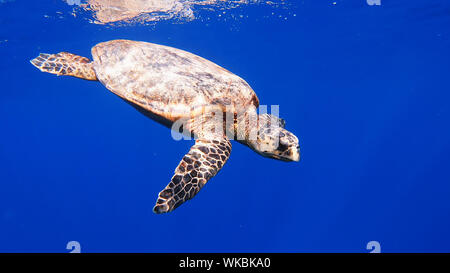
67,64
202,162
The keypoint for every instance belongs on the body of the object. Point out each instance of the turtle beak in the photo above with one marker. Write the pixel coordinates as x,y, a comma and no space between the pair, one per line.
295,152
292,154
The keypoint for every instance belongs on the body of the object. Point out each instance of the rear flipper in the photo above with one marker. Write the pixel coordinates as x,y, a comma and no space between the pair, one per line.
66,64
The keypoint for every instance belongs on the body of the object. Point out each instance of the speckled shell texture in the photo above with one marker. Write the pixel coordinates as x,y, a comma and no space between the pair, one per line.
169,82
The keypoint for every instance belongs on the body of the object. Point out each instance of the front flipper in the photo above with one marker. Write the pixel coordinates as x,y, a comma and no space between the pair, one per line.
202,162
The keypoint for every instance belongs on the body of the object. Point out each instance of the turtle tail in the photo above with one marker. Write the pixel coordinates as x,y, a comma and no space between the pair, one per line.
66,64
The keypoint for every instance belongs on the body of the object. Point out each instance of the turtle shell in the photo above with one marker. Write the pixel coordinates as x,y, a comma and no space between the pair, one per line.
169,82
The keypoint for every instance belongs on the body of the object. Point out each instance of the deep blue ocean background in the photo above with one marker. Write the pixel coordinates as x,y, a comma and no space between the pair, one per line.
365,88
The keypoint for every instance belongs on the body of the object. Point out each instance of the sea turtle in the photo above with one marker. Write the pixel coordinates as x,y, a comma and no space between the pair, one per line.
175,87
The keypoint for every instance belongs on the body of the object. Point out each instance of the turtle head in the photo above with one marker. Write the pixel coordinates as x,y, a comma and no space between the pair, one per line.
273,141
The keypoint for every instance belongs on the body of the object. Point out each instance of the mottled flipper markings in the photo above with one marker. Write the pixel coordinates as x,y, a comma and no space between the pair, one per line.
65,64
202,162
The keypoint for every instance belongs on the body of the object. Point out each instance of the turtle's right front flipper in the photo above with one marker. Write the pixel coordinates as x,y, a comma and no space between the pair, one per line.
202,162
66,64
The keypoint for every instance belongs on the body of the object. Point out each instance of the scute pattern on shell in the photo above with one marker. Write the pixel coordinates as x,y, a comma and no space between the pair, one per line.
167,81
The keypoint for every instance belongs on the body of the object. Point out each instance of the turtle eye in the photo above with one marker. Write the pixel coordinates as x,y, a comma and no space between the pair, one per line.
282,146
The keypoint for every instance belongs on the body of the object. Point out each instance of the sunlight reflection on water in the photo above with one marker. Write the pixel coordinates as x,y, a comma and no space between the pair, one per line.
144,11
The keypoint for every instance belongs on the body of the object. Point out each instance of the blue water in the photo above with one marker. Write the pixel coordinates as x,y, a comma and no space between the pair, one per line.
365,88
